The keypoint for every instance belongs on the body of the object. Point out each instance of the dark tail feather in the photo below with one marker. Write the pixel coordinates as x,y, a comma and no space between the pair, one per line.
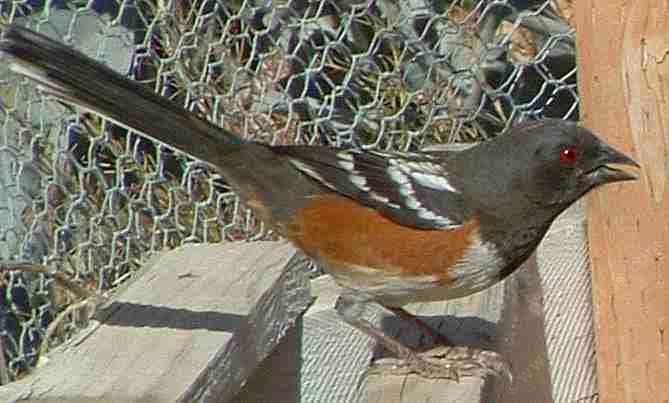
76,78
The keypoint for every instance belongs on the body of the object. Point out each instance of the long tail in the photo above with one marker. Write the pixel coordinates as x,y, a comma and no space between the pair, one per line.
76,78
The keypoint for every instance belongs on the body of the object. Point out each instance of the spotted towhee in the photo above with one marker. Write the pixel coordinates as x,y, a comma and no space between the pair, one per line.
391,228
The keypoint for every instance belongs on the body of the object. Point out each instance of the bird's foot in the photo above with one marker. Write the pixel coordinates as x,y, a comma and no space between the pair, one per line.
446,362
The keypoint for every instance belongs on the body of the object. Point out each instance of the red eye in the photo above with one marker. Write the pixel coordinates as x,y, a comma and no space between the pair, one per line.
569,154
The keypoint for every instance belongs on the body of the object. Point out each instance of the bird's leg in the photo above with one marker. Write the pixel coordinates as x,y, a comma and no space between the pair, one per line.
444,362
437,337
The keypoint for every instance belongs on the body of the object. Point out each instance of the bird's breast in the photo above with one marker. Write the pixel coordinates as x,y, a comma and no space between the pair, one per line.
393,263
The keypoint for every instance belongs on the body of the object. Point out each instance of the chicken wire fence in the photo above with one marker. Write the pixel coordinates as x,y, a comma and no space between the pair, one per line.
90,201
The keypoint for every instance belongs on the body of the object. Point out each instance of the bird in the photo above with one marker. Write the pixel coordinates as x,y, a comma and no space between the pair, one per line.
391,228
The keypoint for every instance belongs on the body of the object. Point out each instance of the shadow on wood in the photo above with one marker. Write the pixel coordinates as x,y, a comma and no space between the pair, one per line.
193,326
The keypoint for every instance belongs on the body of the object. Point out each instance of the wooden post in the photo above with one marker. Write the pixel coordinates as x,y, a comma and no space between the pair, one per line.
624,85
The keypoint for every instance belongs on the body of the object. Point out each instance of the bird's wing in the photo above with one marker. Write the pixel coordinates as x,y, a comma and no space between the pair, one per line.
412,189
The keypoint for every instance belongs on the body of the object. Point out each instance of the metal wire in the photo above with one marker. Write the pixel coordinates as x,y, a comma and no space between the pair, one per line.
83,197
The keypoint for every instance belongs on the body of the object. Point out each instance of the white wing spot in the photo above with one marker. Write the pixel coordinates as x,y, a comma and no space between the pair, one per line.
436,182
406,190
429,215
360,182
344,156
403,173
382,199
346,164
413,203
306,169
397,175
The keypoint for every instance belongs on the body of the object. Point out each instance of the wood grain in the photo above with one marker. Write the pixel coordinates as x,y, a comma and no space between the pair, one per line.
193,327
623,81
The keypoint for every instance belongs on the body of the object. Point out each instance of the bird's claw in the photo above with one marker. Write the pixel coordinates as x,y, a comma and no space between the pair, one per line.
446,362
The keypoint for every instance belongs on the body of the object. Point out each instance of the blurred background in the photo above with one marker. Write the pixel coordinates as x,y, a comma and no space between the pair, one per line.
85,198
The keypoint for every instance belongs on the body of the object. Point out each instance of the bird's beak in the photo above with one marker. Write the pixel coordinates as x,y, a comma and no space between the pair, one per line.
603,172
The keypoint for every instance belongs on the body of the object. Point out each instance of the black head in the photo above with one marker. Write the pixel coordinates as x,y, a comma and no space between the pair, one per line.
540,168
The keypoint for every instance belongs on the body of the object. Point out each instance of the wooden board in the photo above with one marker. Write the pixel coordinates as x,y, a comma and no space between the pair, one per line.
192,327
623,82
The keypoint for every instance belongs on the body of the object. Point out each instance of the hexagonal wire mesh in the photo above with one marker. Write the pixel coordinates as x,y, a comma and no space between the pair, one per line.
86,198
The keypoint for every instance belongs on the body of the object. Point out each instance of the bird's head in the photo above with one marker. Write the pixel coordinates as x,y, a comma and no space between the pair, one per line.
544,166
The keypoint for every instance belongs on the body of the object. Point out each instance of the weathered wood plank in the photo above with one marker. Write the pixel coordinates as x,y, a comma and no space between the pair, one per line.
623,81
216,310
